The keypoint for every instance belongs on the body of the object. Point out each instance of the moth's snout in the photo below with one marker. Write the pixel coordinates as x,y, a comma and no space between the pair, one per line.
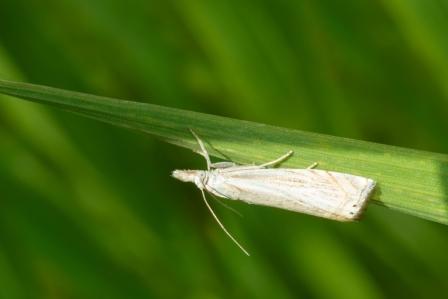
185,175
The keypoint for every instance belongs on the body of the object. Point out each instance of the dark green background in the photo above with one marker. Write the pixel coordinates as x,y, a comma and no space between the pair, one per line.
90,211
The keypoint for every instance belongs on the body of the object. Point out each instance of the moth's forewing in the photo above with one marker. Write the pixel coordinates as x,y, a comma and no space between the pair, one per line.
321,193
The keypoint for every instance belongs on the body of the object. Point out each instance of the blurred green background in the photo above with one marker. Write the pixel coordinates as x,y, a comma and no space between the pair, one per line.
88,210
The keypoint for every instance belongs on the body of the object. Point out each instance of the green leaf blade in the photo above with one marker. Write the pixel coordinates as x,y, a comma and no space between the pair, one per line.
411,181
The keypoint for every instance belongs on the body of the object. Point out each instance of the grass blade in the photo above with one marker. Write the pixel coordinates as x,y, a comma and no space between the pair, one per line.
411,181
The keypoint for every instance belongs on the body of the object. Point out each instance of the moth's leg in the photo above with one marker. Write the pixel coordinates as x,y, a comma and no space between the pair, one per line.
312,166
203,151
278,160
221,165
226,206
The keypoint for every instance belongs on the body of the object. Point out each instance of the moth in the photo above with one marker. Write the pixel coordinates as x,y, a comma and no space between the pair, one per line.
328,194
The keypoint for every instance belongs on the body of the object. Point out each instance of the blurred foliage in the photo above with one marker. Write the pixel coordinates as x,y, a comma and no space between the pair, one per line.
90,211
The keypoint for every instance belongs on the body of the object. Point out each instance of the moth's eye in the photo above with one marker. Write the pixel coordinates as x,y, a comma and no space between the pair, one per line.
201,176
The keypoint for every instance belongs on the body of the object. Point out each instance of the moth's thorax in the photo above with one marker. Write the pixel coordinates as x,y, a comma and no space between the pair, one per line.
194,176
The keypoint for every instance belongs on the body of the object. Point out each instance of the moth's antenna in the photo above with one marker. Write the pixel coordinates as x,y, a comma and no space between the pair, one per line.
203,151
221,225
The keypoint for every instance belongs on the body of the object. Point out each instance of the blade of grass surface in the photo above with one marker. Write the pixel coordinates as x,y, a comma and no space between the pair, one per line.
411,181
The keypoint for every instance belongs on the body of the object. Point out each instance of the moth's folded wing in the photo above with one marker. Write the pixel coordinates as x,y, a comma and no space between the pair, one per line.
322,193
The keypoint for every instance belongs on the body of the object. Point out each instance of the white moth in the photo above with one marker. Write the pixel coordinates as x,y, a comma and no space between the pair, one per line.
333,195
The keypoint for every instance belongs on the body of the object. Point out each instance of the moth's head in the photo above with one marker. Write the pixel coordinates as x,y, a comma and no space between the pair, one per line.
193,176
